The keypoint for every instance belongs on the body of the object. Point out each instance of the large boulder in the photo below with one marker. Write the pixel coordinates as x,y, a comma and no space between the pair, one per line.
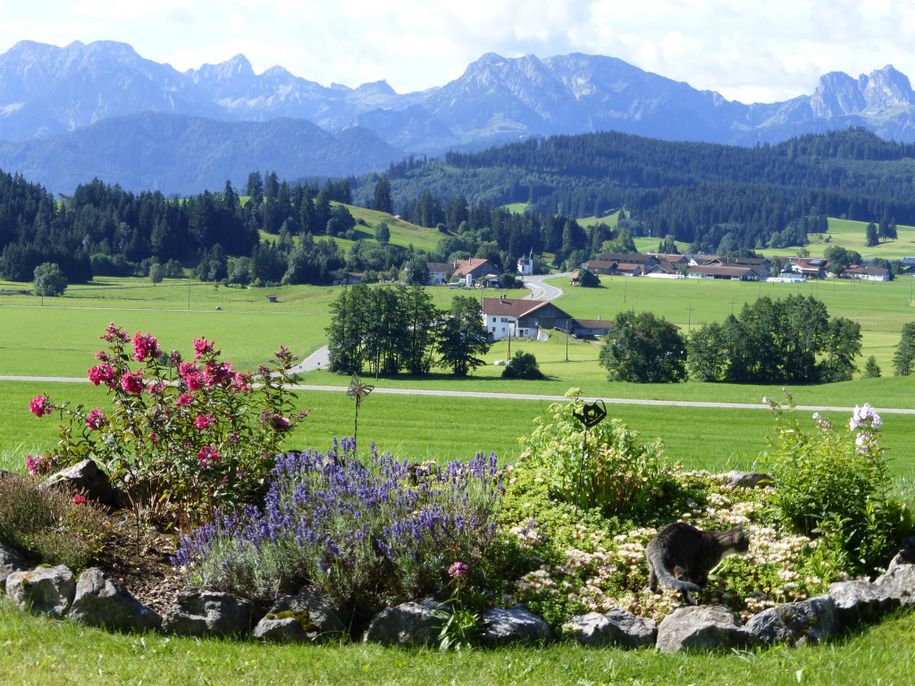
700,627
306,616
737,479
44,590
209,613
517,625
860,601
899,584
808,621
100,602
905,556
617,627
86,479
10,561
410,623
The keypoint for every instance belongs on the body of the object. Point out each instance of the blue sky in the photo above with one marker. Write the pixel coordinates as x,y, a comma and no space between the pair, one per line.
749,51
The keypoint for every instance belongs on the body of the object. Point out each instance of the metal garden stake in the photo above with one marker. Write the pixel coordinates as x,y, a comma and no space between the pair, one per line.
357,391
590,416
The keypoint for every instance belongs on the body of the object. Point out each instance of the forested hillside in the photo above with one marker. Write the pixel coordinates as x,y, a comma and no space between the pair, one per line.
714,197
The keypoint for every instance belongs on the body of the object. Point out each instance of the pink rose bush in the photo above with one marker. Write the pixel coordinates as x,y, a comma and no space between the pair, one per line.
182,436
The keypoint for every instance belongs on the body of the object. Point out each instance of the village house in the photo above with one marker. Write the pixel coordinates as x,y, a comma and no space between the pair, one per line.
439,273
474,269
518,318
866,273
715,271
809,267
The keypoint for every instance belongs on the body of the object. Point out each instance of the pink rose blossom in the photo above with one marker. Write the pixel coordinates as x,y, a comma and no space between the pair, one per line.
145,346
132,382
103,373
207,455
113,333
40,405
79,500
95,420
37,464
203,421
184,399
202,346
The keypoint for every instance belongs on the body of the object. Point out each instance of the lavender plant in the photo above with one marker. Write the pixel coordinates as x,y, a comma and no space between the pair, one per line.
361,531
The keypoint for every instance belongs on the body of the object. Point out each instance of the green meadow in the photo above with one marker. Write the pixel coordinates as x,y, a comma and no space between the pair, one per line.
851,235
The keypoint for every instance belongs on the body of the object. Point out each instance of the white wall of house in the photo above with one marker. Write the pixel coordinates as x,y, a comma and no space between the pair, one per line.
525,266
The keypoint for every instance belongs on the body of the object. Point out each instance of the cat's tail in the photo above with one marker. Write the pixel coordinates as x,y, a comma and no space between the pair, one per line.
656,560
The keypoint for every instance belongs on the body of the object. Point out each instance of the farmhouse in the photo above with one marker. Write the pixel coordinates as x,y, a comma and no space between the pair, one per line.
599,266
474,269
504,317
812,268
866,273
715,271
439,273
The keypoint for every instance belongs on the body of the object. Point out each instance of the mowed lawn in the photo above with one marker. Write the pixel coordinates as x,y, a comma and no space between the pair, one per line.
852,235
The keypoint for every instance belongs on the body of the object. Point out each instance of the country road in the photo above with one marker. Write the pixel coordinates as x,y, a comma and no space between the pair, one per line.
484,395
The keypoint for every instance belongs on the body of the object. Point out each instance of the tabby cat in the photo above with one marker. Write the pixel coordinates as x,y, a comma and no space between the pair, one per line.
681,556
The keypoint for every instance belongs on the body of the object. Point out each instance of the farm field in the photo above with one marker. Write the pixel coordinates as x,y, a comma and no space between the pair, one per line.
51,653
850,234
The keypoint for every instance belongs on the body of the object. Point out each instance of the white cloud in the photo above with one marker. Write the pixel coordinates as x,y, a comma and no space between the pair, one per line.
745,50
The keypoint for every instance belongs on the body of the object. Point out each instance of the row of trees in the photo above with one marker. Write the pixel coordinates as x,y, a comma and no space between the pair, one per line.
390,329
792,340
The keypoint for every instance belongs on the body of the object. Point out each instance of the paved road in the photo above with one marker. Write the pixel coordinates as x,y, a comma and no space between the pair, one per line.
519,396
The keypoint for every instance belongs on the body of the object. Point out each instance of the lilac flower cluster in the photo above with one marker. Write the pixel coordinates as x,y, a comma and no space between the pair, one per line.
344,520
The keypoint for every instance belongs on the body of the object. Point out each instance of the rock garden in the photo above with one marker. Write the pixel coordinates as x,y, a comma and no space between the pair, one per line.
181,508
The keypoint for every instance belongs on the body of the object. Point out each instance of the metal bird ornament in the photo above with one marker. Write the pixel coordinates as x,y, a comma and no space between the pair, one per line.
592,414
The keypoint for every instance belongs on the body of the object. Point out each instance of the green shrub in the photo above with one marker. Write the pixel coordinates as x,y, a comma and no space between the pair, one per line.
50,526
522,366
836,485
607,467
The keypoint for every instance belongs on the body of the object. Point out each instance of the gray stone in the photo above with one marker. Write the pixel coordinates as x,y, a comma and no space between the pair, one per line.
738,479
10,561
209,613
286,630
518,625
905,556
317,620
407,624
899,584
100,602
808,621
44,590
617,627
87,479
860,601
700,627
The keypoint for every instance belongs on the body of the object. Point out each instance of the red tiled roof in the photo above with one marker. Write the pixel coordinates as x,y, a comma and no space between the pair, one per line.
464,267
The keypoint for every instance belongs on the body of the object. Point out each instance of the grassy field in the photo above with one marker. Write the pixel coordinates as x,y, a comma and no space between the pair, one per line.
852,235
48,653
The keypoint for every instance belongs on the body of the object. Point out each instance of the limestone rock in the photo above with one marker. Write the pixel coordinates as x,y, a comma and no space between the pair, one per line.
45,590
860,601
517,625
808,621
100,602
286,630
209,614
407,624
617,627
703,627
85,478
315,617
906,556
738,479
10,561
899,584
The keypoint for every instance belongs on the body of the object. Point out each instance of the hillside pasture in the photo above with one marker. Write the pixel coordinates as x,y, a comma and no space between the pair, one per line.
851,235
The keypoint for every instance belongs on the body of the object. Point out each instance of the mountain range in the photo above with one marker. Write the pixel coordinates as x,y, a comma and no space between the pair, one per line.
68,113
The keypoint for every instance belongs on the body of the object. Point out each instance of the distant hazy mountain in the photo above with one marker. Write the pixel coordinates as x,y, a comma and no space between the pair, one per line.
179,154
47,91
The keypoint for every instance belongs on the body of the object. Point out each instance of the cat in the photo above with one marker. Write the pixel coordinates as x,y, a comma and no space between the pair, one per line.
681,556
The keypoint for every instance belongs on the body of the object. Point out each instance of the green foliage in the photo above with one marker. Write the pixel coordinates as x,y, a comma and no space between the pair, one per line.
871,368
50,526
382,233
836,484
49,280
643,348
588,279
871,236
905,351
463,336
523,365
607,468
182,443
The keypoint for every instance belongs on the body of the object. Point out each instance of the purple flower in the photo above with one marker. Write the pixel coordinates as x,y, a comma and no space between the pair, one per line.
458,570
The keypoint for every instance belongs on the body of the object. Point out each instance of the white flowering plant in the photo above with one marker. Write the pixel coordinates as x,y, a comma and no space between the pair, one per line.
835,484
